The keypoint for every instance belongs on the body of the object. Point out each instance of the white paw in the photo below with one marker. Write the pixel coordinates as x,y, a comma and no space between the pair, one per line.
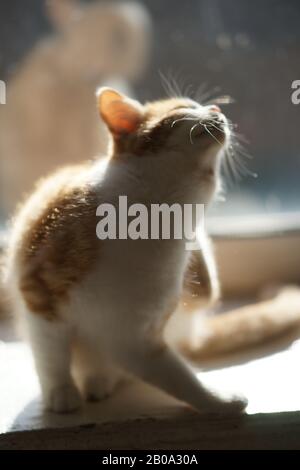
63,399
100,386
236,404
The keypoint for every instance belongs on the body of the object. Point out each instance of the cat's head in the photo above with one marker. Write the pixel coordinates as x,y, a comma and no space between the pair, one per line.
108,39
184,134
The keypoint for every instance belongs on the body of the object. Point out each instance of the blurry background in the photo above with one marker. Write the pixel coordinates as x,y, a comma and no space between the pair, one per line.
250,50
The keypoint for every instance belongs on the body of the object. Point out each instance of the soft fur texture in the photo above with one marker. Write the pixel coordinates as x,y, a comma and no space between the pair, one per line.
96,310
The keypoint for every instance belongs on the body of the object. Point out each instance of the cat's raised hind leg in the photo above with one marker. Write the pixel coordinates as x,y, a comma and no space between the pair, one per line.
158,365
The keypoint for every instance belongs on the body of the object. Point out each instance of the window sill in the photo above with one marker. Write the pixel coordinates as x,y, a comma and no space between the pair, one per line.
184,430
140,417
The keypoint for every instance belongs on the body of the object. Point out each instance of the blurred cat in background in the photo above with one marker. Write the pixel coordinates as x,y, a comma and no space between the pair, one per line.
50,118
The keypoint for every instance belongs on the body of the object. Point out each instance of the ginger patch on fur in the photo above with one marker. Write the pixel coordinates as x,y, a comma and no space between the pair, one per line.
59,247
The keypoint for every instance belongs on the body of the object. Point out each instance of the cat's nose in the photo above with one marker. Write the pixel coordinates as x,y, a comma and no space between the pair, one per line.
215,108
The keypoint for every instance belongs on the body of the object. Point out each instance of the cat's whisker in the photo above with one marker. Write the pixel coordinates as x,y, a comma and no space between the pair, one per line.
241,150
169,85
191,131
229,165
226,167
239,167
208,95
216,121
244,170
231,124
188,90
200,91
242,139
175,87
233,167
213,136
182,119
223,99
216,127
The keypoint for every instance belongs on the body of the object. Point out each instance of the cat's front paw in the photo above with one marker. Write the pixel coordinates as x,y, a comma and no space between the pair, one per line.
233,405
62,399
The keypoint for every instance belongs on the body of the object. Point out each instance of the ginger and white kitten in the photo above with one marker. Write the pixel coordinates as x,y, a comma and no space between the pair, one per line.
96,310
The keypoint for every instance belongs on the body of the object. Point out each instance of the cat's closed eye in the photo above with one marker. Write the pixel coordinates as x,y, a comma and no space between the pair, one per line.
185,107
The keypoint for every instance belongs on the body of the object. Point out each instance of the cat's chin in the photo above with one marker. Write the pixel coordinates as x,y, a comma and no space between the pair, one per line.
216,131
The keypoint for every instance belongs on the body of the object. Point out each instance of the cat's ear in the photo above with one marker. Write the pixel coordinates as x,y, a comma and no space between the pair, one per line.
63,12
121,114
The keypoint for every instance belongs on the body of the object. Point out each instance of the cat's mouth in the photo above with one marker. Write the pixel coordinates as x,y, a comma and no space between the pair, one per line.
214,128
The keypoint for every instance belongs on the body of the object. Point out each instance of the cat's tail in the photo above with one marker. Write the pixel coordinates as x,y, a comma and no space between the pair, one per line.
248,326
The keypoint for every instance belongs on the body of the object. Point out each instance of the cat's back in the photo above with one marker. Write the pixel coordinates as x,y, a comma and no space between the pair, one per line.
53,241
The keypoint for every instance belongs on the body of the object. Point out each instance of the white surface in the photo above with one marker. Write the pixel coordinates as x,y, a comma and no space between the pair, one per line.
270,383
